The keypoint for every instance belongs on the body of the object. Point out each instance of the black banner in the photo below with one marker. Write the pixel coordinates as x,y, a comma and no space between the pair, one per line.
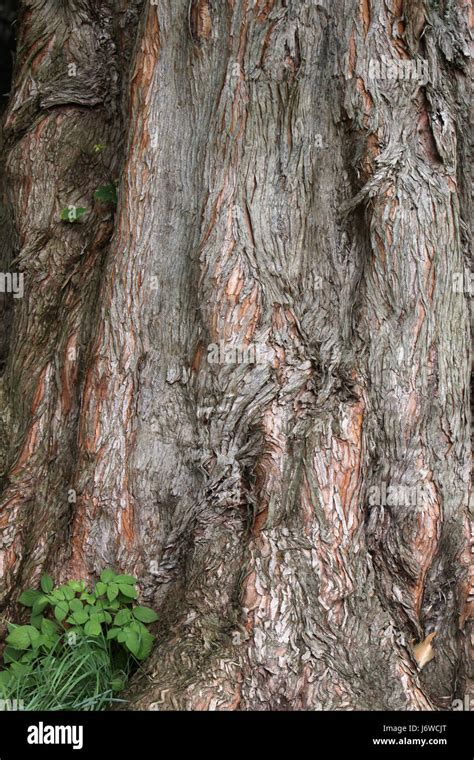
143,734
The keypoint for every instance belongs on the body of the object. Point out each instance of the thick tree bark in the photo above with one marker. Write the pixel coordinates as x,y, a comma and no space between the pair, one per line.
281,199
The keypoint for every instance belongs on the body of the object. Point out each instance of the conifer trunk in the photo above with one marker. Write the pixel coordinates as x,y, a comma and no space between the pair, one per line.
248,382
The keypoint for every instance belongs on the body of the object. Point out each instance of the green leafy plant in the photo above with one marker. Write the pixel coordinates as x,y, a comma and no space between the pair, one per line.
79,646
106,193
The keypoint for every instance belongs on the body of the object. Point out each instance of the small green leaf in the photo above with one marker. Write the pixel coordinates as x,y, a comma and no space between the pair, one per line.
11,654
77,586
5,678
75,605
80,617
112,633
132,642
20,669
107,576
47,584
28,597
28,656
39,605
112,592
20,637
86,597
51,641
48,627
38,642
106,193
122,618
92,627
126,579
117,684
128,591
146,645
61,611
144,614
100,588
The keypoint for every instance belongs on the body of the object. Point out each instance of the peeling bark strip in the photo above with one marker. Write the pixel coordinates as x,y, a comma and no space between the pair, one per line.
200,21
300,518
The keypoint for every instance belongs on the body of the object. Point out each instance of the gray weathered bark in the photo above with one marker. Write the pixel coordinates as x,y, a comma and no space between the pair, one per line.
279,195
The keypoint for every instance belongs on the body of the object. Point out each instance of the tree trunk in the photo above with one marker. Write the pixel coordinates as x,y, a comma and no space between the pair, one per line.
249,384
